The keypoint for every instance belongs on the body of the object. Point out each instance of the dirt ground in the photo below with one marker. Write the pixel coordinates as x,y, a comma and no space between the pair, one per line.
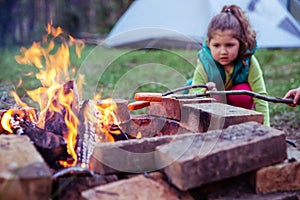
288,123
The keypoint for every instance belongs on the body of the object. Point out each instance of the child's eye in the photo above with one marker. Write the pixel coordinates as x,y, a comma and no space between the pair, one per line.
216,45
230,45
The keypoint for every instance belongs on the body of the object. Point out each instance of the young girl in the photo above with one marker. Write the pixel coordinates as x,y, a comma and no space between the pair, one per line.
226,60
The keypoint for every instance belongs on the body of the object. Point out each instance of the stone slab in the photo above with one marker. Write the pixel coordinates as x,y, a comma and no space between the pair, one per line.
204,158
139,187
171,108
211,116
23,172
133,156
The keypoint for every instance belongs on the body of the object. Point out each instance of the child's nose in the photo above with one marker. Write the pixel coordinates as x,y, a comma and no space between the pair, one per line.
223,50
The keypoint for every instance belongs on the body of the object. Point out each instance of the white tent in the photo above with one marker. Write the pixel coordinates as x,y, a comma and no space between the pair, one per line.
183,23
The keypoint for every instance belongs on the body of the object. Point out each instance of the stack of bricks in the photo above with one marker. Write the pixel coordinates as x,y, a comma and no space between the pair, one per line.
202,145
173,166
202,114
192,161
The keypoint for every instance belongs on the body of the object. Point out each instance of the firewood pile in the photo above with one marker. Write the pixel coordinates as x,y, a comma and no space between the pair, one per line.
181,149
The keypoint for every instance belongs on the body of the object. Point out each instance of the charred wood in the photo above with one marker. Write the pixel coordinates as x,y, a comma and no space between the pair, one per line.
91,131
28,113
54,121
117,133
71,186
52,147
71,171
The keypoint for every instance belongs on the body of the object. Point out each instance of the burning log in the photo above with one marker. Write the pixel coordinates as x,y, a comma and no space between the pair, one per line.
70,171
55,120
117,133
112,115
70,182
52,147
24,113
120,110
87,136
92,130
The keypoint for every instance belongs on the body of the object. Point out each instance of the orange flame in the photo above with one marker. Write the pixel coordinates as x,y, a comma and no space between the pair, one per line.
26,113
107,117
5,121
139,135
53,65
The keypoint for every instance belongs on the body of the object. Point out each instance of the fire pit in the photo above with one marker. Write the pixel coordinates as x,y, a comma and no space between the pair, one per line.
96,148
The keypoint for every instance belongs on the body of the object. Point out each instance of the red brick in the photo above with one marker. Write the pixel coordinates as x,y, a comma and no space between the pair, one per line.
281,177
150,126
171,107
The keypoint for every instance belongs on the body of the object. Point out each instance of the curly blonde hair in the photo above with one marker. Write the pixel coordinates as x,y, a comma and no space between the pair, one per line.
233,18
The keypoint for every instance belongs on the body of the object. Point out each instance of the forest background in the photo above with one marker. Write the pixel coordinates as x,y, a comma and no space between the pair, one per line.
24,21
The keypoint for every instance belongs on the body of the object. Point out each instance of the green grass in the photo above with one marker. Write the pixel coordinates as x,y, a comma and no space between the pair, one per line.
120,73
281,70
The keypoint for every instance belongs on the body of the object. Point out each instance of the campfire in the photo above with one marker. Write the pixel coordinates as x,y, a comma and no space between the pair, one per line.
64,129
82,138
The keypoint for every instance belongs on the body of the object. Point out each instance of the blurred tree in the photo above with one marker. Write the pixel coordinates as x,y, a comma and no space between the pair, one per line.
6,21
24,21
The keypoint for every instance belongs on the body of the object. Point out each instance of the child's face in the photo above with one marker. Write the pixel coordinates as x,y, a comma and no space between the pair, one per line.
224,47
